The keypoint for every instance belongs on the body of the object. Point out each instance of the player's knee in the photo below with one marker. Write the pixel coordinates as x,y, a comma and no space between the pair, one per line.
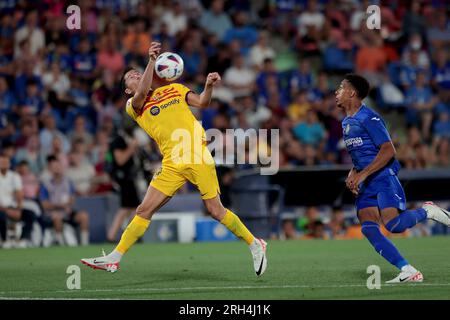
145,211
394,226
216,210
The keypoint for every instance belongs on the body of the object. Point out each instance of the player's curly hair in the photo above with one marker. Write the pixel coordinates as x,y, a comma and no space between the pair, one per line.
360,84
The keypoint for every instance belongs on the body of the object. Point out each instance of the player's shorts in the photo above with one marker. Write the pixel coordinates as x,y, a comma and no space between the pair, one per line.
172,177
384,191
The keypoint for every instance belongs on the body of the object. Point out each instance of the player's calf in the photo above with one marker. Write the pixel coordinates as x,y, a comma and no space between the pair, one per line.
405,220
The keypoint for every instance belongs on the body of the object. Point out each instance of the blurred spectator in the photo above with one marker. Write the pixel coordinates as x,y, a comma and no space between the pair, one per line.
33,103
193,58
31,155
109,58
311,18
420,103
80,131
261,50
48,133
310,131
81,173
299,107
337,224
24,76
252,114
289,230
413,21
414,153
441,127
57,84
415,44
30,181
175,18
306,223
317,231
409,71
439,34
137,39
220,61
239,78
84,61
57,197
31,32
11,206
441,147
123,149
215,20
440,71
371,59
241,31
301,78
7,98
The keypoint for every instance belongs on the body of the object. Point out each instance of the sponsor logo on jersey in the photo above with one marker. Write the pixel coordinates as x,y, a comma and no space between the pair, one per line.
347,129
168,104
354,142
155,110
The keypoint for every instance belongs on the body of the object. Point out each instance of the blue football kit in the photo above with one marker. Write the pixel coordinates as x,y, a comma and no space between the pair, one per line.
364,133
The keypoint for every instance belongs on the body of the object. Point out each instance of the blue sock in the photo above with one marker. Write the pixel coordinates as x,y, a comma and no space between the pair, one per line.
406,220
382,244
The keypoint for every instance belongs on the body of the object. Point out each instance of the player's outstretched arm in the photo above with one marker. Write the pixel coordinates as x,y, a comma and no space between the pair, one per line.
145,84
203,100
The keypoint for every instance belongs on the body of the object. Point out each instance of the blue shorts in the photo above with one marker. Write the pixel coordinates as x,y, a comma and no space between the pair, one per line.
383,191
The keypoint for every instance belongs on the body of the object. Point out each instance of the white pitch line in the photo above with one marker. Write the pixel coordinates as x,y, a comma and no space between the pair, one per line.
220,288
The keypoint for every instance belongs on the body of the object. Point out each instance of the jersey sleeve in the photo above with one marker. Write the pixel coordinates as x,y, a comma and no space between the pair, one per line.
130,110
377,130
183,90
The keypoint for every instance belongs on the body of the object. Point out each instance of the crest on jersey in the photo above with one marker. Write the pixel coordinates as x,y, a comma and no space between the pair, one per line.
155,110
347,129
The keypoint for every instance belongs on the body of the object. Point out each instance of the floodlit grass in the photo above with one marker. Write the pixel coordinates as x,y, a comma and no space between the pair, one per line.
296,270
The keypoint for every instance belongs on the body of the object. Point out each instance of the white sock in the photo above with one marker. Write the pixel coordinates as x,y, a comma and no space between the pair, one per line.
254,245
84,238
409,268
115,255
59,238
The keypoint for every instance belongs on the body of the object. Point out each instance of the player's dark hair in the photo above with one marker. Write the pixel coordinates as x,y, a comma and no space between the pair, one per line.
360,84
123,84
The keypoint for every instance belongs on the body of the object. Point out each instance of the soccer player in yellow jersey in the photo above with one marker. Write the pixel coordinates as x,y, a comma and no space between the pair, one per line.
164,114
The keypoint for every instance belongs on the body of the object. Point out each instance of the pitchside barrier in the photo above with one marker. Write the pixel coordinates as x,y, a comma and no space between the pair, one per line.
259,201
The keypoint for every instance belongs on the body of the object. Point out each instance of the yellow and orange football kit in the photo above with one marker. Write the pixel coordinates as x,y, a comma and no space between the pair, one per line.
166,117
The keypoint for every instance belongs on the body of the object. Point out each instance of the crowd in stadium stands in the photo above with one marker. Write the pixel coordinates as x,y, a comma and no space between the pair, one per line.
61,98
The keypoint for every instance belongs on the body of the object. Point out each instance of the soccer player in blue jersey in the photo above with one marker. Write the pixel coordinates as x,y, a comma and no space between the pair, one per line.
373,179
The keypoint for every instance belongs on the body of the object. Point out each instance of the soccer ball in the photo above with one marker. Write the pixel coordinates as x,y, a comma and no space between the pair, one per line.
169,66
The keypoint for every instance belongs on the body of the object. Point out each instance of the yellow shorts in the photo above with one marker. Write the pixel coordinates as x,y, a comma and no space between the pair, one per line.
172,177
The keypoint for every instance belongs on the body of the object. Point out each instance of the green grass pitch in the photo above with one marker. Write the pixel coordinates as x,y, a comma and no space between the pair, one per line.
296,270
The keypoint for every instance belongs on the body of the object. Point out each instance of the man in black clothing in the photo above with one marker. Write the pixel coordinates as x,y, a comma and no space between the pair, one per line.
124,173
